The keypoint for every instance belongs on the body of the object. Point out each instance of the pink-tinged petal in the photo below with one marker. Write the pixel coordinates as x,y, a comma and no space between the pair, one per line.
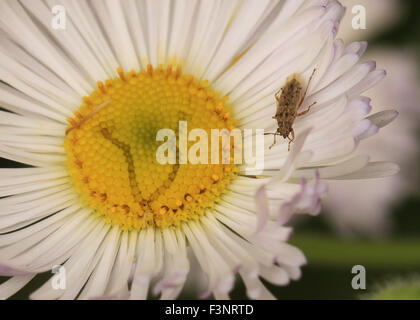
292,159
308,200
220,295
175,280
372,79
371,130
262,208
205,294
224,285
358,47
8,271
284,173
275,275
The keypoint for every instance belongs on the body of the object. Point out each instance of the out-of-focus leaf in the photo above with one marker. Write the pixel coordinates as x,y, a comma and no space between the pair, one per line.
331,251
408,289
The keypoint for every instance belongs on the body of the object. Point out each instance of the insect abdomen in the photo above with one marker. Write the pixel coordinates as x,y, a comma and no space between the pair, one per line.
291,94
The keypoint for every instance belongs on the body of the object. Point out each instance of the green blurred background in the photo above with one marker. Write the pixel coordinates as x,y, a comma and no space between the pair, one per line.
331,254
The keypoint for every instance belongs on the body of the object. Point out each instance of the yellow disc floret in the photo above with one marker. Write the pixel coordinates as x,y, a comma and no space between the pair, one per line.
111,149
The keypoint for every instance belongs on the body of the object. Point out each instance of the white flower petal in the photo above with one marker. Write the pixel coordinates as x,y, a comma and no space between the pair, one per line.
373,170
13,285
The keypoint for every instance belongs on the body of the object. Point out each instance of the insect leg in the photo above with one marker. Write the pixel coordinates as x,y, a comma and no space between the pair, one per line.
306,90
274,143
273,133
291,140
306,111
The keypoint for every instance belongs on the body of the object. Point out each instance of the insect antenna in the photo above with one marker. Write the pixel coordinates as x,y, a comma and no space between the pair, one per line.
306,90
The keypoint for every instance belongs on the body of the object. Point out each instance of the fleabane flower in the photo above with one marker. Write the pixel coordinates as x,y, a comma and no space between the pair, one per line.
87,103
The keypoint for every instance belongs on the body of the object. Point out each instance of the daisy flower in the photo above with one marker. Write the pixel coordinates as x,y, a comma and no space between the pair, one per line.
85,104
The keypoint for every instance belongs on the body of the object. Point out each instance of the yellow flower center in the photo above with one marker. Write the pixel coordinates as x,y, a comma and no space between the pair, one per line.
111,149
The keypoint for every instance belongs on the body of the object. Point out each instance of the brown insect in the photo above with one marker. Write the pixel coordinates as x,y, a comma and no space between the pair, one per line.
289,100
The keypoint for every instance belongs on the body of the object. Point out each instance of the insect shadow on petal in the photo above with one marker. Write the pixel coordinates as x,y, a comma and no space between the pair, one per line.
289,99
